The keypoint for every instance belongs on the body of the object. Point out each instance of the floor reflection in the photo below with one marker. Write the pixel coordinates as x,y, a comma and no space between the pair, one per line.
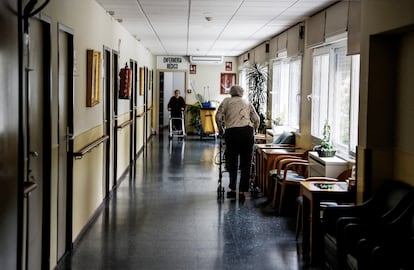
169,217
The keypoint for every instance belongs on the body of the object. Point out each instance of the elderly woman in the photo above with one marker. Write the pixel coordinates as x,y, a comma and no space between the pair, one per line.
240,120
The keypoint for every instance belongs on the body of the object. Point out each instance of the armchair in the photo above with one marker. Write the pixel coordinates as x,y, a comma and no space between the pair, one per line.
284,140
384,246
384,206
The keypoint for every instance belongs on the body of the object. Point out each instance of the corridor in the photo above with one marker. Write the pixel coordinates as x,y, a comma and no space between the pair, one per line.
169,217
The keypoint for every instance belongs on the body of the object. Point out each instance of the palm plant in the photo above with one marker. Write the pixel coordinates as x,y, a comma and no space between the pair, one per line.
257,77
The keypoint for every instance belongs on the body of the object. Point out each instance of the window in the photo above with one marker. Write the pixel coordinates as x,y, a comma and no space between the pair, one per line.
243,83
335,88
286,92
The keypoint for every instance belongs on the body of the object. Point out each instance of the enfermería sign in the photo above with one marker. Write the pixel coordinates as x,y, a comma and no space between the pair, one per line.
172,62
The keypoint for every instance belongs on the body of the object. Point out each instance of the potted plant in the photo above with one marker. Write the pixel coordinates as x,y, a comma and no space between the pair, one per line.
195,120
326,148
257,77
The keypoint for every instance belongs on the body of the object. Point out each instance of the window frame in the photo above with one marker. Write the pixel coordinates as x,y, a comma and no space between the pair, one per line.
333,52
286,100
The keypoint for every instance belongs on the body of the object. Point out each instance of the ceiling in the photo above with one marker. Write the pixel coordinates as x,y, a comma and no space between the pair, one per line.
208,27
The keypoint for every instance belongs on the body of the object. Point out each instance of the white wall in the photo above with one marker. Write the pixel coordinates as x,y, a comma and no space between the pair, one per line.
207,81
93,29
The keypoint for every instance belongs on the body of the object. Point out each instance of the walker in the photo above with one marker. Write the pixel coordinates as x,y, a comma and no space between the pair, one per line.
221,162
177,133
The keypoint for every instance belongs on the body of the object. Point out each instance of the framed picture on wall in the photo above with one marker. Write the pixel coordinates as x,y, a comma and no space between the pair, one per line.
141,81
227,80
150,80
229,66
93,77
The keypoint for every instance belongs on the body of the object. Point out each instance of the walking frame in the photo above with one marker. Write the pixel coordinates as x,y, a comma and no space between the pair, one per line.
221,161
180,133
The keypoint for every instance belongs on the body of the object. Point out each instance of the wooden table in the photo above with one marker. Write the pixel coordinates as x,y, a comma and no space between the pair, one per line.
259,167
268,156
259,160
312,196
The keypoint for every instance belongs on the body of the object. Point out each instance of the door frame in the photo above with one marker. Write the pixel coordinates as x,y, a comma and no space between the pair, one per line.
46,118
133,64
70,128
161,92
47,143
107,117
115,68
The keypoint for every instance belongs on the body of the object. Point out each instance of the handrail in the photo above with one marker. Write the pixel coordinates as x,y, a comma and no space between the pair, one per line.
89,147
124,124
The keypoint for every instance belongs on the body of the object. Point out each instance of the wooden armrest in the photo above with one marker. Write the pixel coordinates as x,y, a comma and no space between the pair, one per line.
323,178
286,161
280,157
298,166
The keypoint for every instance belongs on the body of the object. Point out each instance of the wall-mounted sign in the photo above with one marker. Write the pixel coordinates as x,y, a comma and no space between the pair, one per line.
172,62
193,69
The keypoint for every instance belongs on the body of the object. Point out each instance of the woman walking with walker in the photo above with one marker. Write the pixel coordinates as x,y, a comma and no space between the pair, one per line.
240,121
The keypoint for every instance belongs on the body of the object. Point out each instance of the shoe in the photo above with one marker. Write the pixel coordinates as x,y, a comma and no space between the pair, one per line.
231,194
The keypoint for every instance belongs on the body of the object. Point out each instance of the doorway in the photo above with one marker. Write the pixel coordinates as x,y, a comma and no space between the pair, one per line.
107,118
65,141
169,82
37,202
114,140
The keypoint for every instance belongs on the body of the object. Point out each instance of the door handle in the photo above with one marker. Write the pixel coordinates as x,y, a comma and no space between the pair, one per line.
28,186
33,153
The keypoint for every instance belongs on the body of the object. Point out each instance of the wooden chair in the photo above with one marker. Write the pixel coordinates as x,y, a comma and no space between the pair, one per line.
258,166
276,173
343,176
273,174
290,172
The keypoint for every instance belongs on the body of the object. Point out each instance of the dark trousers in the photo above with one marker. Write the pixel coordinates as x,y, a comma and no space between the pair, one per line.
239,147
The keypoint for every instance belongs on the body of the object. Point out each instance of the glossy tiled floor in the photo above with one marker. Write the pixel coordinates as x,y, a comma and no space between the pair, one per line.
169,217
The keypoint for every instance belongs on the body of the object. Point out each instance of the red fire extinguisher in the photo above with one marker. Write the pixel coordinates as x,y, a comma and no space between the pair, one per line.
125,82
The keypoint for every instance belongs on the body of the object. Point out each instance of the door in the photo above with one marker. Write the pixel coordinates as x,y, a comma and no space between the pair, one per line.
12,165
133,111
65,141
38,142
169,83
115,122
107,118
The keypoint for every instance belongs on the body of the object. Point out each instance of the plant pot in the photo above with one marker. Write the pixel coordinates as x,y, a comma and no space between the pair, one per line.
326,153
